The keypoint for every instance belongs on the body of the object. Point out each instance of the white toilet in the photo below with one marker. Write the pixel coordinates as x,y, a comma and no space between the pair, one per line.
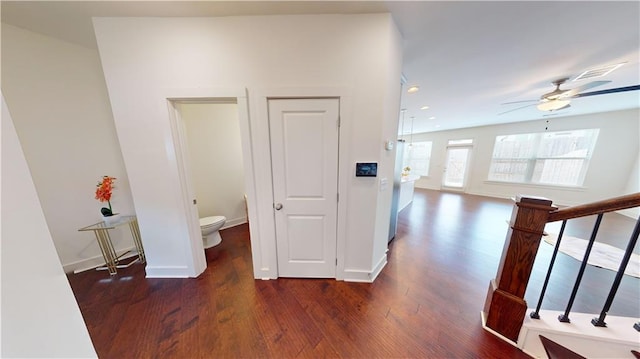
209,227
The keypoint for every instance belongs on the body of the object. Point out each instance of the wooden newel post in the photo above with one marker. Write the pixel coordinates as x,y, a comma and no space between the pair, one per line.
505,307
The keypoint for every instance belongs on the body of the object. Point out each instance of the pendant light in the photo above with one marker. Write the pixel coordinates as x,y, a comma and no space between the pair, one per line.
404,110
411,133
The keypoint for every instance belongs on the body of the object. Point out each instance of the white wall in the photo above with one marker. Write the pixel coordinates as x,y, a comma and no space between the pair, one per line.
40,317
610,168
391,110
215,159
143,57
59,103
633,184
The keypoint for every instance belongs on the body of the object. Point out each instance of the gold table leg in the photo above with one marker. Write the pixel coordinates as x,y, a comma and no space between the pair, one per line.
109,254
135,233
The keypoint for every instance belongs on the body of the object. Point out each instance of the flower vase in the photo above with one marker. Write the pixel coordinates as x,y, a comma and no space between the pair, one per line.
111,220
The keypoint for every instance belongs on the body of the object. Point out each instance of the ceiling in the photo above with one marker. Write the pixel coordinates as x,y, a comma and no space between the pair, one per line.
467,57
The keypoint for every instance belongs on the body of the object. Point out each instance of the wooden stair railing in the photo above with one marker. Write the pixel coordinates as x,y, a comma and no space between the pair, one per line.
505,307
608,205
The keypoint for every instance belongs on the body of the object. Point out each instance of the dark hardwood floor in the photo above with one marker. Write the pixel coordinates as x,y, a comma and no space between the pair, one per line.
426,303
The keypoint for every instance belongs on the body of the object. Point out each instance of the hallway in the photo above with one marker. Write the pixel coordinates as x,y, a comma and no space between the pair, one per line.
426,303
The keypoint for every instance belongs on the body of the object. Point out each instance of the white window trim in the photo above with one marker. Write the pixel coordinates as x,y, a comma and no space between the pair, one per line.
581,176
537,185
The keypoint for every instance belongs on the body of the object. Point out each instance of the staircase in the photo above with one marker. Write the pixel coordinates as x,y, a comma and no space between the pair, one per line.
555,350
551,334
580,336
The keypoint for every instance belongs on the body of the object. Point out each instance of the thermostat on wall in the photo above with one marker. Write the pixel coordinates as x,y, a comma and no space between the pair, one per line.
388,145
366,169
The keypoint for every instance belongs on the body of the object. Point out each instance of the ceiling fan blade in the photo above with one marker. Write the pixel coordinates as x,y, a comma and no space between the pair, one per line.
523,101
587,86
518,108
603,92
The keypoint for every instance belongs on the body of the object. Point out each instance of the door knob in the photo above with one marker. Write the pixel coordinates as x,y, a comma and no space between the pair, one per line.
278,206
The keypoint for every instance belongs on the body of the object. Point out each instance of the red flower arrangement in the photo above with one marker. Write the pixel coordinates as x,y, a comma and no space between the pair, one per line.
103,194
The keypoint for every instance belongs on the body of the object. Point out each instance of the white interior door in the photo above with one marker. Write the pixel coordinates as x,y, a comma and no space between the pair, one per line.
304,151
455,171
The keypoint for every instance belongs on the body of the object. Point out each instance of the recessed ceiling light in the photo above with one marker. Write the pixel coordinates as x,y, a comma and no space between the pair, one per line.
424,107
413,89
437,126
432,118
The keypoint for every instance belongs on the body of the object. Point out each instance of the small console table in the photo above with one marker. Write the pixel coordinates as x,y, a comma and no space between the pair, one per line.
111,259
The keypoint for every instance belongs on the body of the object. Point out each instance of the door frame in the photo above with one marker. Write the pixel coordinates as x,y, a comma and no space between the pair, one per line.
262,160
178,155
466,172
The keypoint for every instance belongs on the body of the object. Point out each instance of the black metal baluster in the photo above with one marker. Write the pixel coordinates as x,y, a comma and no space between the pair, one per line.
599,322
536,313
565,317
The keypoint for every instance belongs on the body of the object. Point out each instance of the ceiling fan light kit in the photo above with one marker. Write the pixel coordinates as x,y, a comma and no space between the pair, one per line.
553,105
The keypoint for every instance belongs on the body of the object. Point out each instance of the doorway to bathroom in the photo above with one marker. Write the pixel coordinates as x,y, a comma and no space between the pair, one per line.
208,146
214,154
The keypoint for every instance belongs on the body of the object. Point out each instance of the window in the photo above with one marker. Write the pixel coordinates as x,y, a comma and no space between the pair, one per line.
417,156
553,158
466,141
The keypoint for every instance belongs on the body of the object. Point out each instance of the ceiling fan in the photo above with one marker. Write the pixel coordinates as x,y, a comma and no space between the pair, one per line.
559,99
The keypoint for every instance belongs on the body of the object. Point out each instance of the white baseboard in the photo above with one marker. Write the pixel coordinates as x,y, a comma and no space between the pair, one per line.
379,266
364,276
423,186
234,222
264,273
356,276
93,262
168,272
